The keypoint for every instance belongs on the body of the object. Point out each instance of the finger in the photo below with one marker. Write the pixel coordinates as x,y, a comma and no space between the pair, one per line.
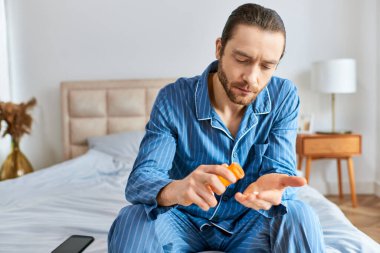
215,184
199,201
241,198
251,201
244,198
222,171
254,202
292,181
273,196
210,190
219,190
261,204
207,196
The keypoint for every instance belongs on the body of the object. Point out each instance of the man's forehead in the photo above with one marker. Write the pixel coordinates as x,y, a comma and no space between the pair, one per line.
249,40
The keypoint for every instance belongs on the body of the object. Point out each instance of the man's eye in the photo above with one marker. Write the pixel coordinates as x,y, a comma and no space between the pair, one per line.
241,60
266,66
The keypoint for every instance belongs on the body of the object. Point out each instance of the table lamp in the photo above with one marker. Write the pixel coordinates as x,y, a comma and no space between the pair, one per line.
334,76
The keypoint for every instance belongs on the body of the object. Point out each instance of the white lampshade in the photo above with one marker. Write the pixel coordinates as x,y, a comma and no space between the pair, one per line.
334,76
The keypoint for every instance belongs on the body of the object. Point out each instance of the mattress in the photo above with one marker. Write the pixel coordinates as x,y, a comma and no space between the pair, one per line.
83,196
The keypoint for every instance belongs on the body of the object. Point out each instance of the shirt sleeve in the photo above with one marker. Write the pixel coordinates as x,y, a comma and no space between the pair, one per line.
150,171
280,156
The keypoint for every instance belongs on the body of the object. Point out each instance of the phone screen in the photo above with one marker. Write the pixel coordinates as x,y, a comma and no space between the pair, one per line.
74,244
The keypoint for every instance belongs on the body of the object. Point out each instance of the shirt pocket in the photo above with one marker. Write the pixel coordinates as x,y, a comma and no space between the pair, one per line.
259,151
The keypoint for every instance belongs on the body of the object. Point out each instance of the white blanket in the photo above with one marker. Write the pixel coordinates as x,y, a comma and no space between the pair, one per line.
83,196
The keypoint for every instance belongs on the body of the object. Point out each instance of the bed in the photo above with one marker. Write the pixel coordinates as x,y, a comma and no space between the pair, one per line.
103,124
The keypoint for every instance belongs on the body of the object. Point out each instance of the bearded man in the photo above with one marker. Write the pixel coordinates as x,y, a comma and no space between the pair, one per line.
235,111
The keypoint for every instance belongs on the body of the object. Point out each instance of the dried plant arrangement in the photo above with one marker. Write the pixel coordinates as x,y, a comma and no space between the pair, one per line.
17,123
17,119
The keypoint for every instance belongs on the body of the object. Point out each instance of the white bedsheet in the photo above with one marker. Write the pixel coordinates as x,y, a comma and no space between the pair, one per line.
83,196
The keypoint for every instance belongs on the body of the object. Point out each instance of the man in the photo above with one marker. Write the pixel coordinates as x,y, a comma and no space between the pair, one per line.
236,111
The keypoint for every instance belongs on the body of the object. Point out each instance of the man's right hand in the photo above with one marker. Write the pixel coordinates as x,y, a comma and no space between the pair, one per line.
197,188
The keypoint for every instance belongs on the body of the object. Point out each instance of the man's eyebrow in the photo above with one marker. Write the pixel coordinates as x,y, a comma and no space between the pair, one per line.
241,53
236,51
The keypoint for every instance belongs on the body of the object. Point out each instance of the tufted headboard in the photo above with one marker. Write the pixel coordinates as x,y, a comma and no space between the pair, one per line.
95,108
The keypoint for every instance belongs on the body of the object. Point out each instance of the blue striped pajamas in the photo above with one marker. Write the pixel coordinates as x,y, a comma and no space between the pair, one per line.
184,132
297,231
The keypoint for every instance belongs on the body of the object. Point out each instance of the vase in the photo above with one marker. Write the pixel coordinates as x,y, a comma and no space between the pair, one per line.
16,164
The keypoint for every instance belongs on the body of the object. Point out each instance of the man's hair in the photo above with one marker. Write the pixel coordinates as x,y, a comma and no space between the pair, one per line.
255,15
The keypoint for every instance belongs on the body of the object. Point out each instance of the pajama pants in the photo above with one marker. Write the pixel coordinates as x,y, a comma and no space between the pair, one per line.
297,231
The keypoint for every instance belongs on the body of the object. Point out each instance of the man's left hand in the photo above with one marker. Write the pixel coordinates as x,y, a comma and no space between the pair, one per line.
267,190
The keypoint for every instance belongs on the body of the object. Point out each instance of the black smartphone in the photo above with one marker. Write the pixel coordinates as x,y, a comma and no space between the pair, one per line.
74,244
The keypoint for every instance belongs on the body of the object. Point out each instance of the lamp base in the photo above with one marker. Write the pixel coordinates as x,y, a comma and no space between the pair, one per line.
334,132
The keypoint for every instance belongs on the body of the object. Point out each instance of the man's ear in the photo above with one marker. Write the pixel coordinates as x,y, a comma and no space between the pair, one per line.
218,48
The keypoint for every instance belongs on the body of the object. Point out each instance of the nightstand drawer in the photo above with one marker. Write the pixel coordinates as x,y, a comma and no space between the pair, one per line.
331,145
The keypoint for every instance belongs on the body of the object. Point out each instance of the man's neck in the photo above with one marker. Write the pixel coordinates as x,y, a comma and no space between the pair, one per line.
230,113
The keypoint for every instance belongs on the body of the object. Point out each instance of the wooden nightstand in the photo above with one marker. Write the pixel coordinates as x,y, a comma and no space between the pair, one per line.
330,146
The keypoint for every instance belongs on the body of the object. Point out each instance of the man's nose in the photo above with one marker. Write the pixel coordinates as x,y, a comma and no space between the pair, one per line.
251,75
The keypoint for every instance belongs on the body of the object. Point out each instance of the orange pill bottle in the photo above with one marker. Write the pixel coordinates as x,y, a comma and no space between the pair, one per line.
237,170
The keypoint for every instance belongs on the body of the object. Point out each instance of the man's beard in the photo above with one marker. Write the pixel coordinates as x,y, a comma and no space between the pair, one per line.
227,88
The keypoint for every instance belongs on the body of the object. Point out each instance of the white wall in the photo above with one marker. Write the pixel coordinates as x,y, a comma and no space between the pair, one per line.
4,70
4,76
377,184
53,41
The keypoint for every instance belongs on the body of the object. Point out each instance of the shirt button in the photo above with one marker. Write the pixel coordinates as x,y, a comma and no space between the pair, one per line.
225,198
234,154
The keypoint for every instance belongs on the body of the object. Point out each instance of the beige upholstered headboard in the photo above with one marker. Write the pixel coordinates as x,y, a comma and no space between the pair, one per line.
95,108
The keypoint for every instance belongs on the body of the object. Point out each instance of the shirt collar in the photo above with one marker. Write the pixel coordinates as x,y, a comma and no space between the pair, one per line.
204,110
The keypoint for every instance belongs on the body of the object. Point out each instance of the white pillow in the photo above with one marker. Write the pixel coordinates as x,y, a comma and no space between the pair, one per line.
124,146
